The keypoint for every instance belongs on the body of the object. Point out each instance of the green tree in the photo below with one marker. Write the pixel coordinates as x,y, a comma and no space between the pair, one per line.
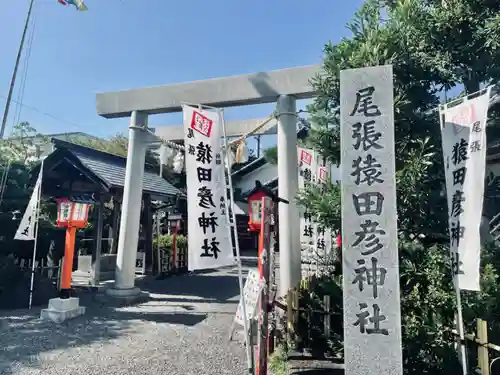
433,46
116,145
16,187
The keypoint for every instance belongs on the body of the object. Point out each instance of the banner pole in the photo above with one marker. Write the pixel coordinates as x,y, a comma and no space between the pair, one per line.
37,217
461,333
264,273
469,114
248,346
158,254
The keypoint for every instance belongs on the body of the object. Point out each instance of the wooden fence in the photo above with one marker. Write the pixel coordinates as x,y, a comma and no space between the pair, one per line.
488,354
44,267
291,306
168,264
485,364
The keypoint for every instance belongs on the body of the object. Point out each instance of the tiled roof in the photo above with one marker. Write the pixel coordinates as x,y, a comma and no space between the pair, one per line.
271,185
114,175
253,165
111,169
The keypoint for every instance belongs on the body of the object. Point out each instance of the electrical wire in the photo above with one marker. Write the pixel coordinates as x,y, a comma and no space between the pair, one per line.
22,87
73,124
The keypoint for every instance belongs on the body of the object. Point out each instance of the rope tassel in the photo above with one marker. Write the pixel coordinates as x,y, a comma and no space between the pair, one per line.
241,152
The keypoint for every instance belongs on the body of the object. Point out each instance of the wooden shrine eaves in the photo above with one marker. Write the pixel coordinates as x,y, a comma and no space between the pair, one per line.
248,89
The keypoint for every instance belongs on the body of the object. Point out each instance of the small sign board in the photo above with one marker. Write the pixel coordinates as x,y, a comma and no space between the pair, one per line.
164,262
251,291
140,263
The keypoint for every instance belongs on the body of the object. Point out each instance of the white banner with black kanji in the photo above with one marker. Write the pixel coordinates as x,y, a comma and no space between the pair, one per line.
26,230
463,129
209,245
307,167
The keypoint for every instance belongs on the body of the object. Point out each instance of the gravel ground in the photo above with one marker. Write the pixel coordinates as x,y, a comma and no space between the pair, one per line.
182,329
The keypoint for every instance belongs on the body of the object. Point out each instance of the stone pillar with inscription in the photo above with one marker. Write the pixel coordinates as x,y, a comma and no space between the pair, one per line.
372,316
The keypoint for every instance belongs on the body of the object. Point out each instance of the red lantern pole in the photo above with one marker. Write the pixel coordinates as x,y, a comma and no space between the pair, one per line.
259,255
69,252
264,273
174,244
70,215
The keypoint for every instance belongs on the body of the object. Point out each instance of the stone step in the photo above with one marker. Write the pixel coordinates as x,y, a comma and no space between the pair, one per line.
310,366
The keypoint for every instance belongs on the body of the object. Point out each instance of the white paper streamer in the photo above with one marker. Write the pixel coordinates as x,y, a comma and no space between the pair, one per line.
242,153
166,155
232,159
178,164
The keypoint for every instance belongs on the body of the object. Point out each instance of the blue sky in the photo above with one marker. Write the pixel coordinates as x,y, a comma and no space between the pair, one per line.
121,44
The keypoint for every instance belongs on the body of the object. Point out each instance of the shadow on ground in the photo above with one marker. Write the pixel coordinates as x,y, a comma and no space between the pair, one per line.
23,336
212,288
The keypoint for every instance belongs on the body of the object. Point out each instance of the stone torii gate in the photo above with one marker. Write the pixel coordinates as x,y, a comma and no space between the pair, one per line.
282,86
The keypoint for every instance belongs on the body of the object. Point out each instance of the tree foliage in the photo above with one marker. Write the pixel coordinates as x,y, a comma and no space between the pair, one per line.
433,46
116,145
16,188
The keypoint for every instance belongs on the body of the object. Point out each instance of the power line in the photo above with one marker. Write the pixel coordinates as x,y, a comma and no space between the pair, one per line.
45,113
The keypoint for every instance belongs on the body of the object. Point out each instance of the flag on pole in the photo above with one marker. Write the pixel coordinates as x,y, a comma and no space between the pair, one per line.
26,230
79,4
463,129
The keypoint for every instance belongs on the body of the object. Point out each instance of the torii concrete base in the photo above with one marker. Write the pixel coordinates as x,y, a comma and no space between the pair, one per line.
60,309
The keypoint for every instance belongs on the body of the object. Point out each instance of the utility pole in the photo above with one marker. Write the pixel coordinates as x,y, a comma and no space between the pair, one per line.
14,74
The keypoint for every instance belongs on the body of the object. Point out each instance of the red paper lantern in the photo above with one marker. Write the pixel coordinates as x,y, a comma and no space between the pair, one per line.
72,214
255,210
255,205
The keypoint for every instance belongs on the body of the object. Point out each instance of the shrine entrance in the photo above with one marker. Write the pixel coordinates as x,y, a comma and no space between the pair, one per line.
281,86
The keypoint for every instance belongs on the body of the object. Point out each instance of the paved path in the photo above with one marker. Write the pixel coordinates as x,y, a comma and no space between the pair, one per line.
182,330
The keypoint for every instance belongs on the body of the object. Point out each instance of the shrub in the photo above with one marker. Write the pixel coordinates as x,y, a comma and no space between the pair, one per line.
166,243
278,361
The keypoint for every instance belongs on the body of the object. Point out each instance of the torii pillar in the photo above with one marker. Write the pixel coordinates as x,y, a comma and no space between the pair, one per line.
282,86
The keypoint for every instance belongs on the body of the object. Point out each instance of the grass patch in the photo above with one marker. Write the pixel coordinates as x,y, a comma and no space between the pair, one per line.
278,361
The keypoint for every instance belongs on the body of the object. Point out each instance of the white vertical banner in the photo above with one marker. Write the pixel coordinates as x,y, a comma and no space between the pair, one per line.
316,240
209,245
334,174
307,168
370,264
463,129
26,230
